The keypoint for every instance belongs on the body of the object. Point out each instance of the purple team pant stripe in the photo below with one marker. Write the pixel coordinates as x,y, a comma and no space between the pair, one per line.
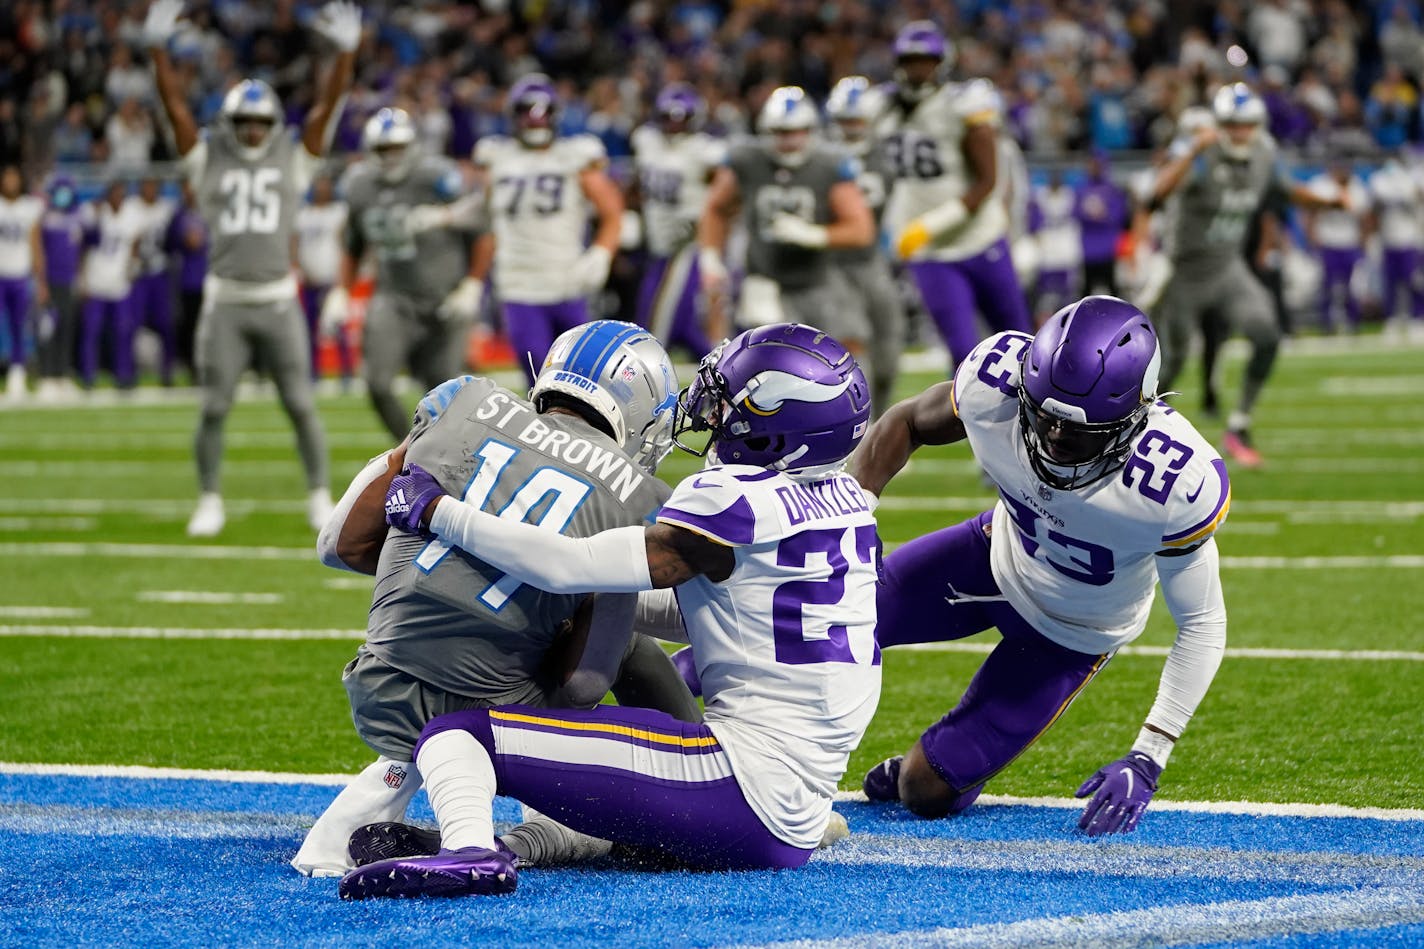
734,526
645,738
1223,495
505,760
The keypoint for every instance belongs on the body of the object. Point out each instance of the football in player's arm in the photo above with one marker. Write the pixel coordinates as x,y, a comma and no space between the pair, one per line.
1104,492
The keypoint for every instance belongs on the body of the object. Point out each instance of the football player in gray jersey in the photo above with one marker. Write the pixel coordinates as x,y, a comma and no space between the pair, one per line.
446,631
404,210
1213,184
799,200
853,106
250,175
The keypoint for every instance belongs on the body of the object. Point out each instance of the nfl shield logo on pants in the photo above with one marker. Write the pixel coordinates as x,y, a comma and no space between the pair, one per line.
395,776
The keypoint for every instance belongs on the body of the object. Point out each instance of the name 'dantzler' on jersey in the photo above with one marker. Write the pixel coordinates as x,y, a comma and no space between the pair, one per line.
1081,565
450,619
785,646
426,266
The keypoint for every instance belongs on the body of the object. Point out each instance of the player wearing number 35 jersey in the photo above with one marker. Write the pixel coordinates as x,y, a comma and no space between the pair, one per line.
772,554
1104,492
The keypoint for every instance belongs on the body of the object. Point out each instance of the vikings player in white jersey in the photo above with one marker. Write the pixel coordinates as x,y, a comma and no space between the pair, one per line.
1060,247
675,163
151,302
21,260
112,228
1339,235
540,191
1398,203
1104,492
944,215
772,552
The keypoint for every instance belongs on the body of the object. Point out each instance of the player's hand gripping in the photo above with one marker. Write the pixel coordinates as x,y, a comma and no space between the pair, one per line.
161,22
790,229
410,493
340,22
1123,791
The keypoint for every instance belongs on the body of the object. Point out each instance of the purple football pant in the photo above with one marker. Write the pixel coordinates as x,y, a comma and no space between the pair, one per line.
632,776
533,327
1024,685
15,301
953,291
1338,265
667,302
1402,289
151,305
117,317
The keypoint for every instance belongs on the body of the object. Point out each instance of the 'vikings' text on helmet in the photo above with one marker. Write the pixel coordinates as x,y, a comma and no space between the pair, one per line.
1086,384
785,396
621,372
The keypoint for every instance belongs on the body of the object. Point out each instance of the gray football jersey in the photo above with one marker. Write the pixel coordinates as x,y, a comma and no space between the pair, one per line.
874,176
250,207
424,267
1210,214
769,189
443,616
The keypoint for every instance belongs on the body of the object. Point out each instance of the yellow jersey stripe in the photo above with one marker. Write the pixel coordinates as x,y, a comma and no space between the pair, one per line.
606,728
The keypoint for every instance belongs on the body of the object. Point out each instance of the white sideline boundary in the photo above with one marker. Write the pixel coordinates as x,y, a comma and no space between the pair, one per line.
1246,808
1232,652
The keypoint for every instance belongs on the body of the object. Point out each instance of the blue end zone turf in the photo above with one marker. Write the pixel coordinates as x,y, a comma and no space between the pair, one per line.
124,861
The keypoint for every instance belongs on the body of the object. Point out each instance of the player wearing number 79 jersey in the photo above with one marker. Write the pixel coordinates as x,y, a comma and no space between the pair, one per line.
1104,492
773,556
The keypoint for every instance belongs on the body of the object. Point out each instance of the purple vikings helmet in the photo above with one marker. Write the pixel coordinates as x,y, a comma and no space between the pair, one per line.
1087,382
786,397
921,40
534,109
679,109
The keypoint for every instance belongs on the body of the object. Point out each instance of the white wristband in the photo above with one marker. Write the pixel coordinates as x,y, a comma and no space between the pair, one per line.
709,261
1154,745
945,217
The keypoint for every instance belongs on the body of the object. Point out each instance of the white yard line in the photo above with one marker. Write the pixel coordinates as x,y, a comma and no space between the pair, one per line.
1232,652
43,612
157,551
177,632
209,597
27,524
156,507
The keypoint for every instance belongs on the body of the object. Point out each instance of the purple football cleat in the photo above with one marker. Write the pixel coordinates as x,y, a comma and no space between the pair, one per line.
470,871
882,782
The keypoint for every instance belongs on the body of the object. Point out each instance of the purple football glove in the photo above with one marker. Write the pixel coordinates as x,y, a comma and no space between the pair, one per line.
1124,789
410,493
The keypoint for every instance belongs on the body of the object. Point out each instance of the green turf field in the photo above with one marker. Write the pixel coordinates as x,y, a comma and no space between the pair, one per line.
228,655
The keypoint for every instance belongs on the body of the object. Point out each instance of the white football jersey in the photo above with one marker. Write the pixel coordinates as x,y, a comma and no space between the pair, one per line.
785,646
1060,243
153,234
1396,197
1081,565
1336,228
17,225
319,242
925,148
673,175
538,213
109,263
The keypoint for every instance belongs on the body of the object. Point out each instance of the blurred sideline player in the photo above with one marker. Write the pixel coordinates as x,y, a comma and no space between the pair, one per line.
1339,236
250,176
404,207
1060,246
320,229
112,227
151,302
774,555
1103,492
853,107
945,211
1399,211
1213,184
62,237
447,631
22,266
675,163
799,200
540,189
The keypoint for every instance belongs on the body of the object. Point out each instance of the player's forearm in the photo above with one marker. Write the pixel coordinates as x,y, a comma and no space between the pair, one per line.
615,561
886,449
1170,178
482,257
1191,588
347,277
609,630
348,542
851,233
316,133
170,94
712,228
658,616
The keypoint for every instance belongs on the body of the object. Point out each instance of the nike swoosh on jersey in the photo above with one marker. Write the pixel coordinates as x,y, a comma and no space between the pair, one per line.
1191,498
697,482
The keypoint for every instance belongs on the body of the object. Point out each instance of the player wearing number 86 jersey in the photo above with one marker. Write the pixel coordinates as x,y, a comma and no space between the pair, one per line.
1104,492
773,555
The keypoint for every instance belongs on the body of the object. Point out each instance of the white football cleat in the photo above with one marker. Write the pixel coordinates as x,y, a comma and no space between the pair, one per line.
836,829
15,388
319,508
209,517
